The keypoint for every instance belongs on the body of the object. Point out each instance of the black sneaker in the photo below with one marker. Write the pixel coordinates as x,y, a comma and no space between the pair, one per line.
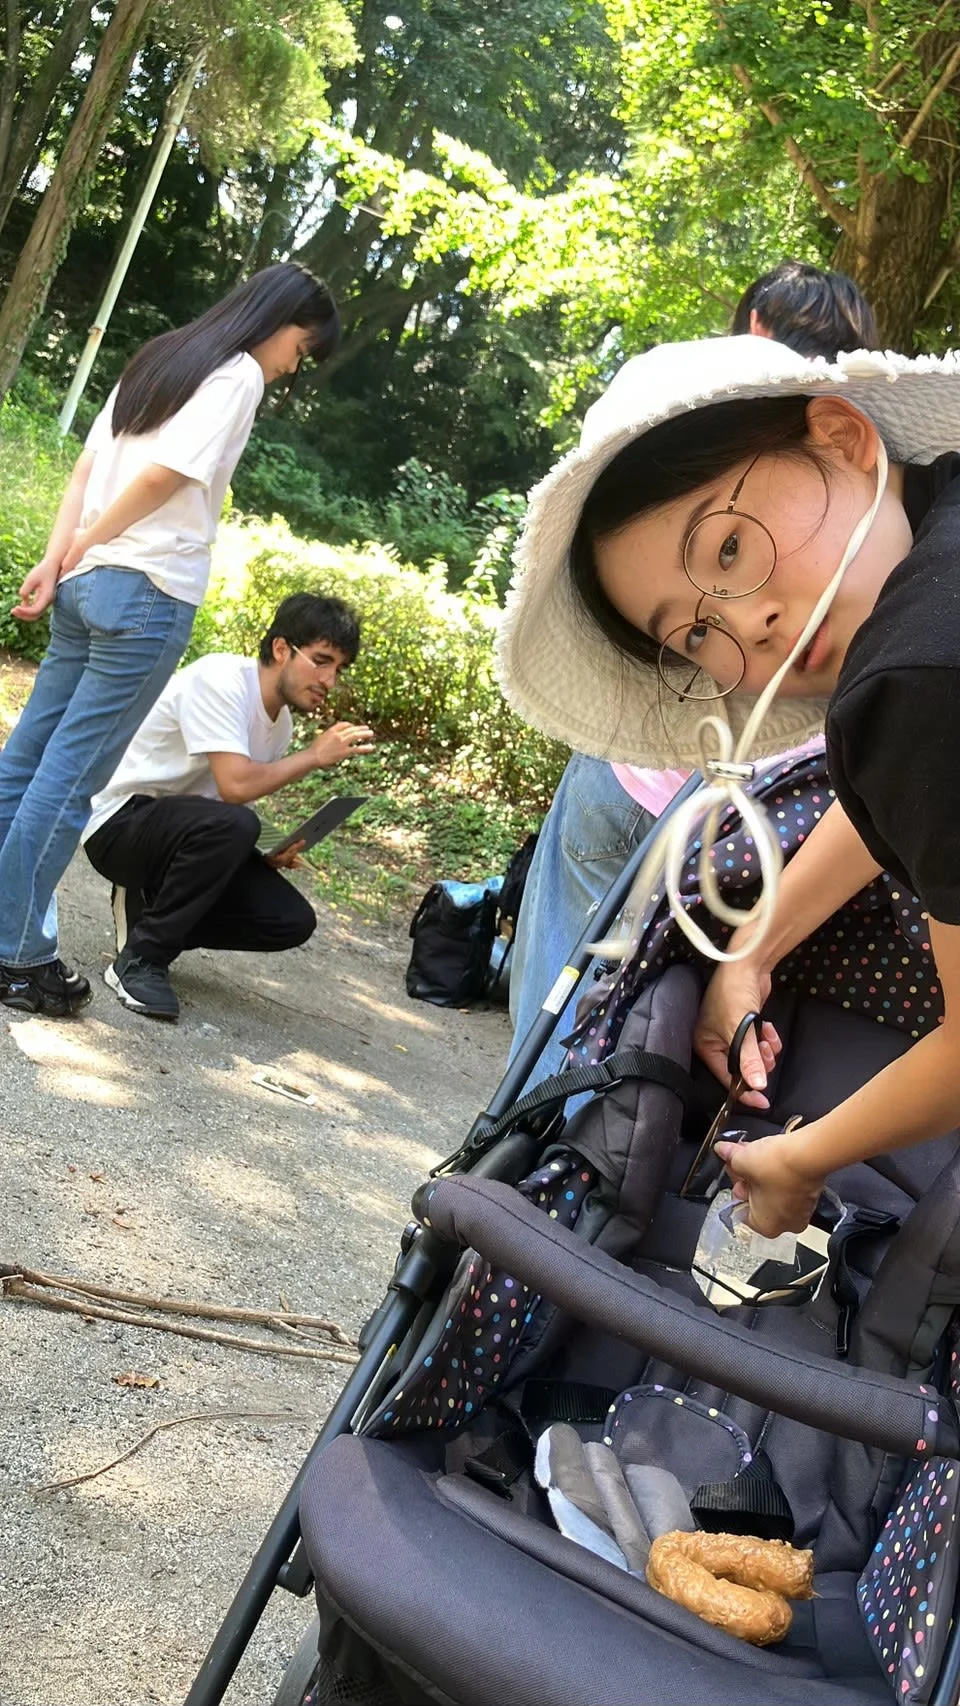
127,908
51,989
143,986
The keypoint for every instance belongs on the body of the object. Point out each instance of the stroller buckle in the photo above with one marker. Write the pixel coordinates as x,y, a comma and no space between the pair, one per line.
502,1462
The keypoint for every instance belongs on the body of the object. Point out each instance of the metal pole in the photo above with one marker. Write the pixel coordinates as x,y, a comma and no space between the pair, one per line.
172,120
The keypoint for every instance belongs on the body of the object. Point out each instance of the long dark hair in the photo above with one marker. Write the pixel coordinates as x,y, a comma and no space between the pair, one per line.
671,461
163,375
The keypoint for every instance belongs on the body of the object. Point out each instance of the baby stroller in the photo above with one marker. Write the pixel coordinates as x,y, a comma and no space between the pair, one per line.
546,1279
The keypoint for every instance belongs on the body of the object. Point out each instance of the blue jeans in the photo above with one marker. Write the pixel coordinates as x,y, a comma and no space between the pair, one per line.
115,640
588,834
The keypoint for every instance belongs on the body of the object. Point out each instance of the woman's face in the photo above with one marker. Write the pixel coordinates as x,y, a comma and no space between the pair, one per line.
807,517
283,351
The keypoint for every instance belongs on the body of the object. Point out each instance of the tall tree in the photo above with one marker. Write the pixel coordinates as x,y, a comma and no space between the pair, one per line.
501,97
859,100
264,80
25,101
65,193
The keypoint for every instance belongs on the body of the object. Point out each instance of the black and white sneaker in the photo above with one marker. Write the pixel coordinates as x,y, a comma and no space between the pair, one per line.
127,908
143,986
53,989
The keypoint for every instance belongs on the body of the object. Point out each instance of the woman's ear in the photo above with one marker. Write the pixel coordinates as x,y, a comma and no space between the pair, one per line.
757,327
834,424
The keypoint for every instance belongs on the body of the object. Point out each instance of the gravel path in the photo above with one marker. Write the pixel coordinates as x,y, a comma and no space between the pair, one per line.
144,1157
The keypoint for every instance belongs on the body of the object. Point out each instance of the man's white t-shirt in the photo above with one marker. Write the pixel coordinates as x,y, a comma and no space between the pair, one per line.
203,441
214,705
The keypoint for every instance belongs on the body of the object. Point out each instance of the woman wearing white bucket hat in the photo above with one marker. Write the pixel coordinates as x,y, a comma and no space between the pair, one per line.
726,529
602,811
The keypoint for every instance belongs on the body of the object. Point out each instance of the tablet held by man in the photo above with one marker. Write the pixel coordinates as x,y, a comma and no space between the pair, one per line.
173,830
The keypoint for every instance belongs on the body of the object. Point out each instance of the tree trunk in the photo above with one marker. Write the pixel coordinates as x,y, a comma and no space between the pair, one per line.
28,130
9,76
45,246
897,249
275,218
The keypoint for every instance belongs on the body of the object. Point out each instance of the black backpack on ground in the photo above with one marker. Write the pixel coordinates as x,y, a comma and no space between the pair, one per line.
453,931
456,930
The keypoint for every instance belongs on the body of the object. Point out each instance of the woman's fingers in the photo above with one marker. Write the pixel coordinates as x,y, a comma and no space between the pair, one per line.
35,595
753,1067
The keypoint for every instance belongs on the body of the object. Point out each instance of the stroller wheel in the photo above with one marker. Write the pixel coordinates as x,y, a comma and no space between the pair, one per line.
299,1674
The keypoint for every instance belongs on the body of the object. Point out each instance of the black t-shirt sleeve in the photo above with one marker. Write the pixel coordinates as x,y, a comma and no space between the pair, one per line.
893,747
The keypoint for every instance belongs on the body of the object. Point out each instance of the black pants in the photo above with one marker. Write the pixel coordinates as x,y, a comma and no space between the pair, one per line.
190,870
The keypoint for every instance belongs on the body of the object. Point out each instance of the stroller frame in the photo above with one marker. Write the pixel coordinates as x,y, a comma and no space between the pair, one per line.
424,1262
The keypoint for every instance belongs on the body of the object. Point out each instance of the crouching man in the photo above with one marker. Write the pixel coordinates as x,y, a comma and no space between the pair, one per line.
173,830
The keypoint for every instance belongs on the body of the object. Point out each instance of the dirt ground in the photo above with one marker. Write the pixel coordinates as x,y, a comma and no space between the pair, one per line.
144,1157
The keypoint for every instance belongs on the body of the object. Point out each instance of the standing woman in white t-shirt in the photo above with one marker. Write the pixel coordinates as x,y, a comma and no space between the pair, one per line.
125,568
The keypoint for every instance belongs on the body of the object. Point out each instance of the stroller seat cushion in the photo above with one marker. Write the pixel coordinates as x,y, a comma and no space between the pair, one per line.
657,1425
439,1567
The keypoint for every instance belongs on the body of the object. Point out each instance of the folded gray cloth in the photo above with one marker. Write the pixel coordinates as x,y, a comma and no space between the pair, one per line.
561,1468
560,1453
660,1500
622,1513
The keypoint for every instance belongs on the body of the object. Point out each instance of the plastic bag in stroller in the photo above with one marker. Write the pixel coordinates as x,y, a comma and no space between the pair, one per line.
548,1397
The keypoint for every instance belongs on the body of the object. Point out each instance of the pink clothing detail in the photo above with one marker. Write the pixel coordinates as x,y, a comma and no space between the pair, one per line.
654,789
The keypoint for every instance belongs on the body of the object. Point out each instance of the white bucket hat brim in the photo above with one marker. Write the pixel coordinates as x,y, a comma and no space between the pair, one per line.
556,669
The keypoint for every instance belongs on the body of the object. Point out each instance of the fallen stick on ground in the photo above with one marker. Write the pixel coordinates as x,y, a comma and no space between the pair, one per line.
175,1422
175,1305
15,1287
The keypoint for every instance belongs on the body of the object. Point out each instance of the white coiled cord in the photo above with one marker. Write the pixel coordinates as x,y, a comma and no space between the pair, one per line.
726,770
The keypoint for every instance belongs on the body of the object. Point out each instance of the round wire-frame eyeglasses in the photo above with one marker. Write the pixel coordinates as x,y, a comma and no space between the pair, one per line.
677,668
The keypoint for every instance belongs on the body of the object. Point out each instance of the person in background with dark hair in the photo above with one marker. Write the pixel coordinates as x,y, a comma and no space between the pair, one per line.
816,313
125,568
602,811
173,830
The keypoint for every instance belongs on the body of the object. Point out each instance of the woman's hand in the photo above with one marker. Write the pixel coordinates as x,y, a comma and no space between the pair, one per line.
770,1176
37,592
734,990
75,550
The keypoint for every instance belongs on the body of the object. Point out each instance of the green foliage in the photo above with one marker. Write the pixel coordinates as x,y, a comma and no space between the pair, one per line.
275,479
427,517
36,466
264,79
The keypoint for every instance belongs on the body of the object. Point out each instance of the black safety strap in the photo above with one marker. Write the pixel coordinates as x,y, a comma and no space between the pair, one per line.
752,1503
546,1401
541,1402
554,1091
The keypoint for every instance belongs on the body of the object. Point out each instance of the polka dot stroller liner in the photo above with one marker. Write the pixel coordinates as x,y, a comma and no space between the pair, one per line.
873,957
573,1300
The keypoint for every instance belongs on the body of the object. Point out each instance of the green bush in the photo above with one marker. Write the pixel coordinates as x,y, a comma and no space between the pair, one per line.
275,479
425,670
36,466
427,517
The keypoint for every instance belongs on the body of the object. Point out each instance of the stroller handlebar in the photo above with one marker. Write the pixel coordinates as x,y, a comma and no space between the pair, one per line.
900,1416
